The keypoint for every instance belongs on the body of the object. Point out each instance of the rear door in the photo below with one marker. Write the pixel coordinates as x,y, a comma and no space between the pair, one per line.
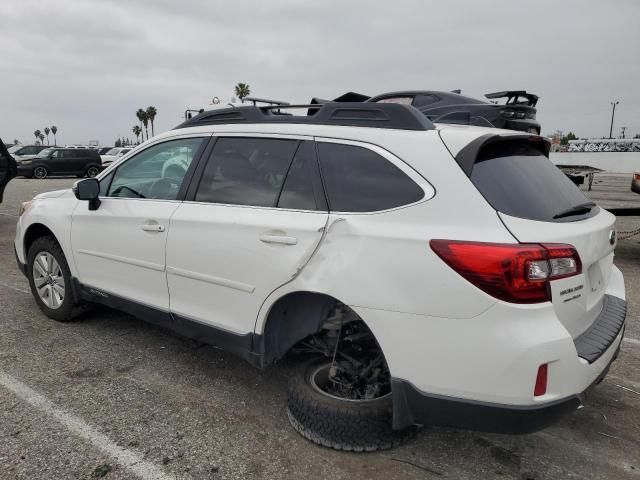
539,204
8,168
249,225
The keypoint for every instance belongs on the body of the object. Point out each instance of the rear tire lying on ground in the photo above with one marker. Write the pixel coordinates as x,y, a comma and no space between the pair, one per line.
50,280
342,424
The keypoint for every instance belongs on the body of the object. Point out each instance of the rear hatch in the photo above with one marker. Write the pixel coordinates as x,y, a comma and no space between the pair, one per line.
539,204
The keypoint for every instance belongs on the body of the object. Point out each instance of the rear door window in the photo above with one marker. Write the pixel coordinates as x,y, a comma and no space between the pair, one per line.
302,189
519,180
359,180
246,171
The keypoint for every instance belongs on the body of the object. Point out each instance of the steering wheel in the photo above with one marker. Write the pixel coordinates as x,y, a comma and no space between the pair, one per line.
162,187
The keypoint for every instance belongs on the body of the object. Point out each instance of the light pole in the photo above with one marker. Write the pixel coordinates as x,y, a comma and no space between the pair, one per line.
613,113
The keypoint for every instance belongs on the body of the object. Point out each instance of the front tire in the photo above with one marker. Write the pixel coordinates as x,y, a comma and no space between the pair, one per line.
50,279
338,423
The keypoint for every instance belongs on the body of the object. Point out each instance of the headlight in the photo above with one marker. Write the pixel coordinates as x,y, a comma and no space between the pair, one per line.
26,162
25,206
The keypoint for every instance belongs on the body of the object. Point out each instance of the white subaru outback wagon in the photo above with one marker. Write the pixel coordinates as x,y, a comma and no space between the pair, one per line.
422,274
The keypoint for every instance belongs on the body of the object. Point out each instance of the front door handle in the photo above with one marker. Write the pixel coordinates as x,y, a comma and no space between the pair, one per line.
283,239
153,227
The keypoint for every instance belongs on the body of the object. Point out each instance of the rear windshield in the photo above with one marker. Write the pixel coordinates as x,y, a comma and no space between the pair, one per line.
519,180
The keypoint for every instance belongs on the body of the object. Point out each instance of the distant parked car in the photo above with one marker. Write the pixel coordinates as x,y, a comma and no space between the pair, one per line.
62,161
635,182
104,150
25,152
7,168
114,154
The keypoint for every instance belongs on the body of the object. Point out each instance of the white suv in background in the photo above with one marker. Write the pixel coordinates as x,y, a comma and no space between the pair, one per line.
425,274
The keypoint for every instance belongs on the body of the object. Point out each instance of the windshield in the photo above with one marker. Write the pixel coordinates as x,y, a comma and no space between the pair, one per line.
45,152
113,151
519,180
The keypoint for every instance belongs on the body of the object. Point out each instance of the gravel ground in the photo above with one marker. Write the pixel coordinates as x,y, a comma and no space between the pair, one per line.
189,411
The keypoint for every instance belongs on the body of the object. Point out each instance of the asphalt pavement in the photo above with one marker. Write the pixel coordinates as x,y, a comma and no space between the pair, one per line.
111,397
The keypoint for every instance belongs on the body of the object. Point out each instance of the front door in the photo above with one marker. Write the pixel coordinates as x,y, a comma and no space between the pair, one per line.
254,221
119,249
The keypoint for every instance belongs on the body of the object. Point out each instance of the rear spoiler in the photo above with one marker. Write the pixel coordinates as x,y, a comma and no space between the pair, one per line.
466,157
514,97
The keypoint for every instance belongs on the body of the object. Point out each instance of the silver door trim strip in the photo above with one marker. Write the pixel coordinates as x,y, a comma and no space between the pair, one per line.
131,261
223,282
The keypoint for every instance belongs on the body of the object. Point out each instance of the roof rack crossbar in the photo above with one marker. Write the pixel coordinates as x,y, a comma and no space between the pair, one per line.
356,114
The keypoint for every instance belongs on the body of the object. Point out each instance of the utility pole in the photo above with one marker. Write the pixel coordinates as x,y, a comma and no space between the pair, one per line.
613,113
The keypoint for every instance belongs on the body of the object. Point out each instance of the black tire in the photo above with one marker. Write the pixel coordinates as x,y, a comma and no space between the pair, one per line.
40,172
67,310
357,426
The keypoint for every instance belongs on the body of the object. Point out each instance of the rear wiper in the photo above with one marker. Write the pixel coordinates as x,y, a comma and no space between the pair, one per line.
576,210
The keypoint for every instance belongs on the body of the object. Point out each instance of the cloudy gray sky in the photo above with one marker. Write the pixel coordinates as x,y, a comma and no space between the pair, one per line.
87,66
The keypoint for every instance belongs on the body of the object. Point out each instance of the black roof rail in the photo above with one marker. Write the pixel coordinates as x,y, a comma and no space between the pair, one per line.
356,114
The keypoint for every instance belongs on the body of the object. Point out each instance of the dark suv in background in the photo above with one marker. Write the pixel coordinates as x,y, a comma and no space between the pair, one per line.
80,162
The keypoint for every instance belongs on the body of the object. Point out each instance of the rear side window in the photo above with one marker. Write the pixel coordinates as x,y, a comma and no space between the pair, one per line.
519,180
246,171
359,180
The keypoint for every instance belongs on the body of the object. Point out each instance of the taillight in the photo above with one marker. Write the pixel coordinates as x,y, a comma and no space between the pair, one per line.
540,387
636,177
513,272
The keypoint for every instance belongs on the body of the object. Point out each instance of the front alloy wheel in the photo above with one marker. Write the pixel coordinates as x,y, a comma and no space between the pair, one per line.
48,280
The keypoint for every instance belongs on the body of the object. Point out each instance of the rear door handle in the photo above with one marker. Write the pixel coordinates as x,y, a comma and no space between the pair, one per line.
283,239
150,227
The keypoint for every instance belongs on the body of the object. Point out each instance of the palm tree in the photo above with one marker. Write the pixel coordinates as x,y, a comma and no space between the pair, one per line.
137,131
41,137
141,114
54,130
151,115
242,91
145,122
46,132
37,135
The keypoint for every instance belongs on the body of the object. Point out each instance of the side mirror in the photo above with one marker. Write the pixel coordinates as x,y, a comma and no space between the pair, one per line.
88,189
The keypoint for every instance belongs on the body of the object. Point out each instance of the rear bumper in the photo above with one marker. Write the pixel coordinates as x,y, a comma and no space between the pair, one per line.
414,407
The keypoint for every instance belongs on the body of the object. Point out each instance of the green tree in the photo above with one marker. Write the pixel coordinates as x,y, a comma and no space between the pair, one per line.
54,130
137,131
242,91
15,141
37,135
142,115
41,137
151,115
46,132
565,139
